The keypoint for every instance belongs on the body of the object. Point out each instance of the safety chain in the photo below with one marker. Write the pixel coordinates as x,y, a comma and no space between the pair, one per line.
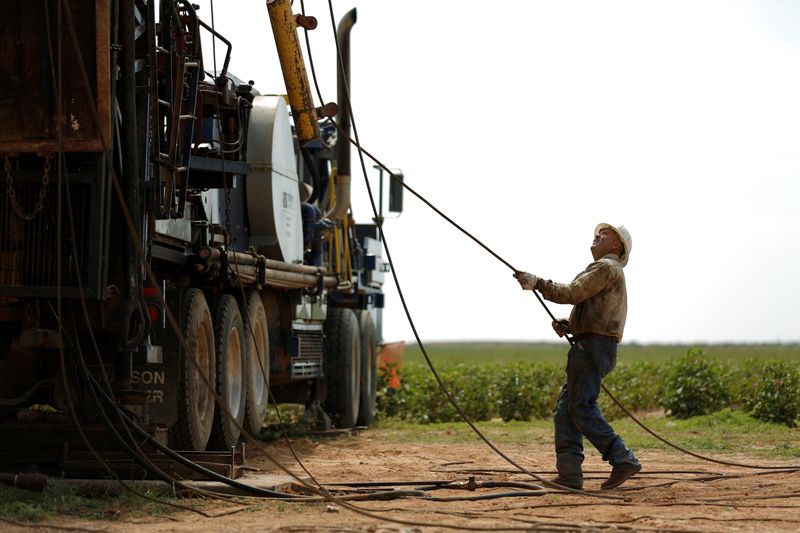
12,193
228,227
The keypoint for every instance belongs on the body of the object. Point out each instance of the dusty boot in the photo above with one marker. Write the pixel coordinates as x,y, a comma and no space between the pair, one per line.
576,484
619,475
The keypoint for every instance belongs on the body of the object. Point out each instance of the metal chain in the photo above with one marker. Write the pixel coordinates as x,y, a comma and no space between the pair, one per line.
12,193
229,229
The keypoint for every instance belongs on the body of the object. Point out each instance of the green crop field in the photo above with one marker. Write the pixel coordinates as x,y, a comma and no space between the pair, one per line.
503,352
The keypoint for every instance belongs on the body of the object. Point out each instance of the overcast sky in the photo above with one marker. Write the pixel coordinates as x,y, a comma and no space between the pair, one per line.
530,122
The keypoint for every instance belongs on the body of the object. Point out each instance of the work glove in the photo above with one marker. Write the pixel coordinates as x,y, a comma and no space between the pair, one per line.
561,326
526,280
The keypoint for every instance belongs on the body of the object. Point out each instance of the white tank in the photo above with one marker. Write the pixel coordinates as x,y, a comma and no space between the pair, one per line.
272,188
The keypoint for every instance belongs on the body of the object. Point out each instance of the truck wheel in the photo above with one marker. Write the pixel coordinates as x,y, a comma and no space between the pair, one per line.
369,368
256,332
342,366
195,399
230,375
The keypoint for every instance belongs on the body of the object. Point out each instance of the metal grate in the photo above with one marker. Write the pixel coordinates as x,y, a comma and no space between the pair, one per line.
309,343
306,368
28,249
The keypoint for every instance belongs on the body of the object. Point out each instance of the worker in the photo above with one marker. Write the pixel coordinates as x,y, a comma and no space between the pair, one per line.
596,323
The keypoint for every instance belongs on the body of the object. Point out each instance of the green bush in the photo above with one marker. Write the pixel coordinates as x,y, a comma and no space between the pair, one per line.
420,399
470,386
741,381
772,392
526,391
635,385
694,385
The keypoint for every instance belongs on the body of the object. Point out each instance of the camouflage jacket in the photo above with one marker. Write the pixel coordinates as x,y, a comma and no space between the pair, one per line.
599,296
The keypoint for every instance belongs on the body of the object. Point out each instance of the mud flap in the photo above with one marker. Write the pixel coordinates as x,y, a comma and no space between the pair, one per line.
159,377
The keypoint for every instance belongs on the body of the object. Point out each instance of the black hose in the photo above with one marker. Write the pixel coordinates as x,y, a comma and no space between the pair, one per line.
92,387
492,496
544,305
187,462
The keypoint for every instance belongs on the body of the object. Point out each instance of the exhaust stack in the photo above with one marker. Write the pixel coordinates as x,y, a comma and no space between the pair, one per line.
339,210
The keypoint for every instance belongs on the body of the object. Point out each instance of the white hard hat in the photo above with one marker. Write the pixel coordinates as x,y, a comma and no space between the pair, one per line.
624,237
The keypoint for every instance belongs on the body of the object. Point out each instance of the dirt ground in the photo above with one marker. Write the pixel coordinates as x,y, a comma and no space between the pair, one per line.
674,492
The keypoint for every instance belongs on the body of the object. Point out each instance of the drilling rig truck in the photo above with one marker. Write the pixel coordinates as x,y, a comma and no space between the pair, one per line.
170,236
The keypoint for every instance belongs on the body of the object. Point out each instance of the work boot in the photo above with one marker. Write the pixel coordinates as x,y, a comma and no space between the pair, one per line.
619,475
572,484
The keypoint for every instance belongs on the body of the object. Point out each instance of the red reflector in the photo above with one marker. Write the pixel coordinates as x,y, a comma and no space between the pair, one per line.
154,312
150,292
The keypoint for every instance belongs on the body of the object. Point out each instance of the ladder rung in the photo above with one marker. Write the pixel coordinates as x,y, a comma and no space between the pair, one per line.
161,50
187,117
192,64
164,103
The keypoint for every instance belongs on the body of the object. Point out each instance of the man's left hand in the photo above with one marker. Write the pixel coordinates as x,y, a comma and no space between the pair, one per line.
526,280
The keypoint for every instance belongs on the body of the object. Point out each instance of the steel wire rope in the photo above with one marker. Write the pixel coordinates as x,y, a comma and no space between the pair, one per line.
354,140
27,395
57,81
357,144
547,309
723,463
174,325
176,328
700,476
326,496
442,386
94,387
132,447
245,308
151,276
251,332
53,527
137,454
57,76
495,511
131,227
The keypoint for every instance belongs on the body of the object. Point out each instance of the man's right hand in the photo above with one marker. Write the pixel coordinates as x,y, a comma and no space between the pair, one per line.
527,281
561,326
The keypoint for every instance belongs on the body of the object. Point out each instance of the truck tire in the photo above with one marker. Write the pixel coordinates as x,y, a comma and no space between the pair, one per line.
195,398
369,368
256,332
231,369
342,367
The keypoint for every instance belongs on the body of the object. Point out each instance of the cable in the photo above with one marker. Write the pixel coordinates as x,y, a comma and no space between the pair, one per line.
132,447
362,163
131,228
11,402
244,298
116,184
173,323
569,339
410,320
57,78
176,328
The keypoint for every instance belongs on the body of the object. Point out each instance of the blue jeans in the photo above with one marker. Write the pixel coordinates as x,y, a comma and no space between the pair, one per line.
577,413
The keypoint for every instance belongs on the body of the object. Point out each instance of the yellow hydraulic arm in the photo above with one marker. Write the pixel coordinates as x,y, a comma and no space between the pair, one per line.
284,28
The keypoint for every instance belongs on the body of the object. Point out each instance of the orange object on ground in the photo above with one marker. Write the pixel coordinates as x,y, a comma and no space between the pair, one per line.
390,362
